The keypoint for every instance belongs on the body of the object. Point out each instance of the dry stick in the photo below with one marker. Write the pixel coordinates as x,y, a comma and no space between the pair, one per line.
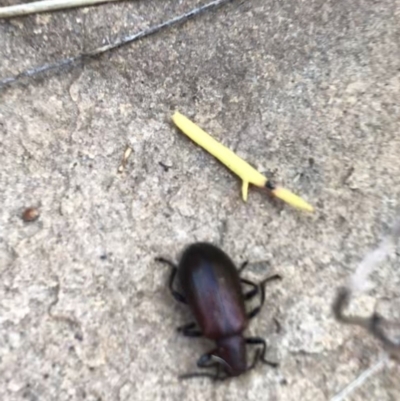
359,381
121,42
45,6
358,282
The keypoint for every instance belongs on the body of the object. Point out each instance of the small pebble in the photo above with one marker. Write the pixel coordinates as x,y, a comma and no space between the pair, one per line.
30,214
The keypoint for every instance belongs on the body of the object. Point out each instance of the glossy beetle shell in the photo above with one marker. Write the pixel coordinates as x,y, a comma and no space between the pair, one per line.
211,285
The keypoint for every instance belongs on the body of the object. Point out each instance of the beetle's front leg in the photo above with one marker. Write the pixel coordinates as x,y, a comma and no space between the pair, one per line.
179,297
260,354
188,330
206,361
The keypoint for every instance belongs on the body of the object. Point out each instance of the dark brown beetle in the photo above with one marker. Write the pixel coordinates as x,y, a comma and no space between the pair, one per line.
212,288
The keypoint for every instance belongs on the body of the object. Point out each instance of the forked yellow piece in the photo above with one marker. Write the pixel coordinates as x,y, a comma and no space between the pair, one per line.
247,173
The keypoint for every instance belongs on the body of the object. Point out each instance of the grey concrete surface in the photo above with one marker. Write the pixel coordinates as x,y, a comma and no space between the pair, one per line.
307,92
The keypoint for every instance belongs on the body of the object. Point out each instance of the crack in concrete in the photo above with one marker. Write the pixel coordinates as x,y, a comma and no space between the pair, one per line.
75,103
70,321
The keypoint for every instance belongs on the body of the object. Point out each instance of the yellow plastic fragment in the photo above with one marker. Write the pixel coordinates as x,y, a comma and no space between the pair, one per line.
247,173
245,190
223,154
292,199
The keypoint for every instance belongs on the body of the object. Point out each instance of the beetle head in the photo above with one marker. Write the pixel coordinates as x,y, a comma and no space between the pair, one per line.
232,350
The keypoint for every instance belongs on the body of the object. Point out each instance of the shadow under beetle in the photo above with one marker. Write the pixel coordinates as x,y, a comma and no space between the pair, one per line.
212,288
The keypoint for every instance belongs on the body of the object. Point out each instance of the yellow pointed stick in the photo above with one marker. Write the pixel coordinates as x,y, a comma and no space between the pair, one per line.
247,173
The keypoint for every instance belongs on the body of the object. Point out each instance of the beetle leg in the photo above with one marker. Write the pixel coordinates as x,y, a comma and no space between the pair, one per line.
217,363
187,330
257,309
204,363
198,374
166,262
255,360
213,376
253,292
219,374
260,354
261,286
243,266
179,297
272,277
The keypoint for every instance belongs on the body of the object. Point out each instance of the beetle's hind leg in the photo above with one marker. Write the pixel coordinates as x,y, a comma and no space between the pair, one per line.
188,330
261,288
179,297
256,288
260,353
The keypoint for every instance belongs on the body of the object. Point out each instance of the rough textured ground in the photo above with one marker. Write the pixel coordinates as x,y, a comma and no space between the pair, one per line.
307,91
